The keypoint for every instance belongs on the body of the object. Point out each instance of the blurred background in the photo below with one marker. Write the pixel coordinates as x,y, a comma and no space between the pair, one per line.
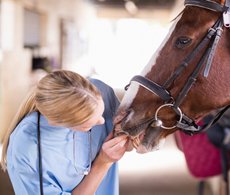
111,40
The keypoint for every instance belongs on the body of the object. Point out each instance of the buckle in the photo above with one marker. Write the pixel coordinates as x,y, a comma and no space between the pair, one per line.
226,19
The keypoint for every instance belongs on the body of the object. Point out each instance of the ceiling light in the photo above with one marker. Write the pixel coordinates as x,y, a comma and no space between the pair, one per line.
131,7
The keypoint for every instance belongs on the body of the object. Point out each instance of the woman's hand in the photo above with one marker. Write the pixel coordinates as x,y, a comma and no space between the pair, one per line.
113,149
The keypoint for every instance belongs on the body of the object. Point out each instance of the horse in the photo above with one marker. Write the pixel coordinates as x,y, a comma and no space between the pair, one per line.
177,88
185,80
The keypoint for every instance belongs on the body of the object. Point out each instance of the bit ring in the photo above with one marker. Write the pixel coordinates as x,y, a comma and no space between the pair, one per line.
169,105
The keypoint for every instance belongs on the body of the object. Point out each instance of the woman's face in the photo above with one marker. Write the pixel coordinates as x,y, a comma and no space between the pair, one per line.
96,119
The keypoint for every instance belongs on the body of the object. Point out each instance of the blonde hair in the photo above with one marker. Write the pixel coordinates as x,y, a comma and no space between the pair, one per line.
63,97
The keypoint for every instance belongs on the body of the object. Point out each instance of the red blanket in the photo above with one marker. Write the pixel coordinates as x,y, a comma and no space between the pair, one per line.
202,157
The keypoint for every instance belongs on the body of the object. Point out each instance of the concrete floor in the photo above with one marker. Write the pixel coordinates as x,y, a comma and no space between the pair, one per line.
163,172
159,173
5,184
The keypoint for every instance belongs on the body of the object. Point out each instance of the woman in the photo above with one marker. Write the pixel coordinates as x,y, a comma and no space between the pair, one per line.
73,118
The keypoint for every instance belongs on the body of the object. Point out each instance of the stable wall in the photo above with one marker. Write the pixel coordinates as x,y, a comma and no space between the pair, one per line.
16,68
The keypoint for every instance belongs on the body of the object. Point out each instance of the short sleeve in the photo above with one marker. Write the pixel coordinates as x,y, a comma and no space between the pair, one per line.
27,182
23,165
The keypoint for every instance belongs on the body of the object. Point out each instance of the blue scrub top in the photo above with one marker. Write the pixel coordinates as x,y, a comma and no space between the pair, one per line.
58,170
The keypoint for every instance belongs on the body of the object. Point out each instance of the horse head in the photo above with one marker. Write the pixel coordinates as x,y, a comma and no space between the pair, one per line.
180,70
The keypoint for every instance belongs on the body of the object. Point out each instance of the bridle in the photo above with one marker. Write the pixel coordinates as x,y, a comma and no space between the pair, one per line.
185,124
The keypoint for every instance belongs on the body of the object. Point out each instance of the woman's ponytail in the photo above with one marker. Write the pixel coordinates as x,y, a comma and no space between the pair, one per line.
27,106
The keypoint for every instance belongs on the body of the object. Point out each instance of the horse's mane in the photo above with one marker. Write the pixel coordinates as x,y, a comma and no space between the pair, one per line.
177,16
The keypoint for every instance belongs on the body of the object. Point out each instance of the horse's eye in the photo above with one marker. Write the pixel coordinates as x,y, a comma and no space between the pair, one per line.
182,42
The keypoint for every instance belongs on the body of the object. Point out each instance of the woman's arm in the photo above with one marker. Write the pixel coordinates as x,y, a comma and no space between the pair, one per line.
112,150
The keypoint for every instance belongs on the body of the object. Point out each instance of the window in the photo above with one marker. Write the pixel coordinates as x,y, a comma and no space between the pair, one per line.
32,23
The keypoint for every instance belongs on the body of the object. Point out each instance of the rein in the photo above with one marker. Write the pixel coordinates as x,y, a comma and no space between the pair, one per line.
185,124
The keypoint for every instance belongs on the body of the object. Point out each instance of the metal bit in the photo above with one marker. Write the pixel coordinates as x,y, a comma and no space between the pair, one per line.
156,123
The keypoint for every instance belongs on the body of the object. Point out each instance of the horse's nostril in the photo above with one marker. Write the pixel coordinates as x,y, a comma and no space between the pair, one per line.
129,111
120,117
129,114
116,134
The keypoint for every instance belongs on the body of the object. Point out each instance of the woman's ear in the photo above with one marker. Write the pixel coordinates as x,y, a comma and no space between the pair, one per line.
51,123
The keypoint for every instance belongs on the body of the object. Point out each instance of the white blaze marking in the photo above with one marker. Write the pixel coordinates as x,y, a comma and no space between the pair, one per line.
152,61
133,88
